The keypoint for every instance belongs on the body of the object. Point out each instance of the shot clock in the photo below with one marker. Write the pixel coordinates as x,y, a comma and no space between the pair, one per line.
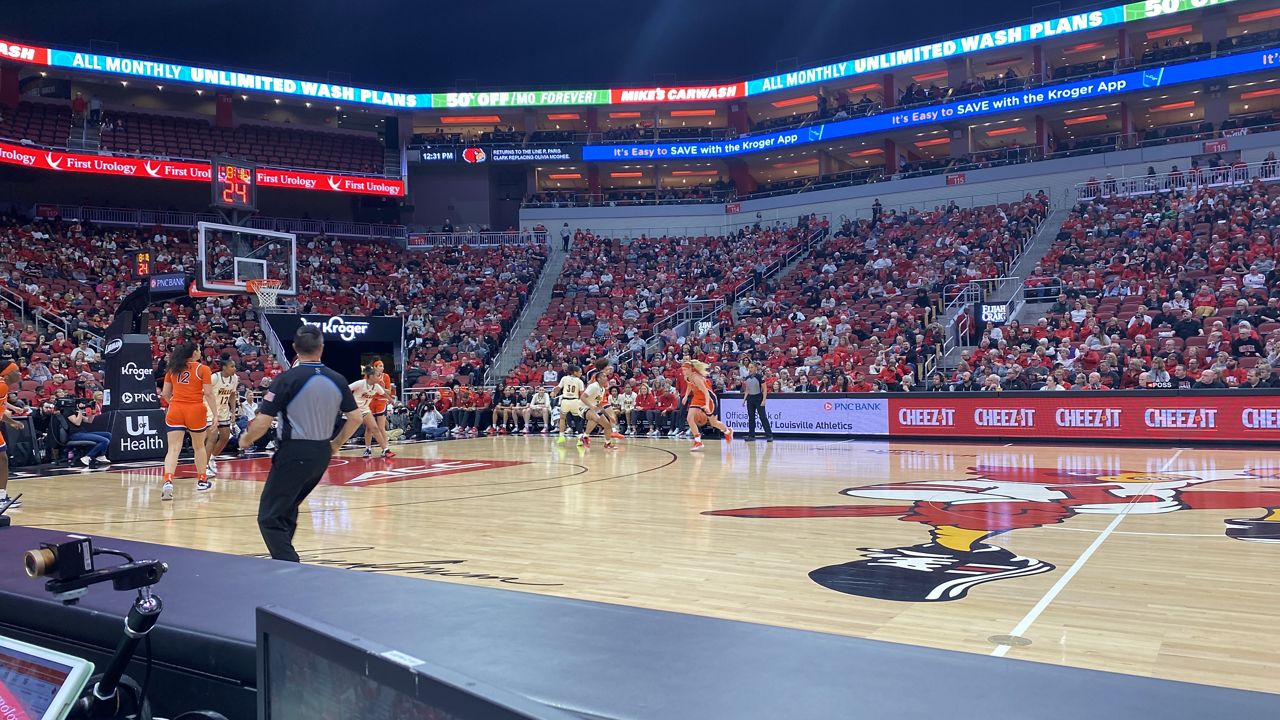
142,262
235,185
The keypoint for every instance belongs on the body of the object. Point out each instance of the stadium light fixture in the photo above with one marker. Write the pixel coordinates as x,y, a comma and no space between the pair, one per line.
1260,15
1085,119
790,102
470,119
1169,32
1259,93
1174,106
926,77
1082,47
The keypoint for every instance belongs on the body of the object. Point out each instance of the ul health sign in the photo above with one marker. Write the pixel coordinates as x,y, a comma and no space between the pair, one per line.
130,402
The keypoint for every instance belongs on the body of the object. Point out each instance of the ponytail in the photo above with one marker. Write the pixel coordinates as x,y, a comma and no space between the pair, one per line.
179,358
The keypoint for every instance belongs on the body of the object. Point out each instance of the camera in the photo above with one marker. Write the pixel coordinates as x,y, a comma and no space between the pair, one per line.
60,561
70,405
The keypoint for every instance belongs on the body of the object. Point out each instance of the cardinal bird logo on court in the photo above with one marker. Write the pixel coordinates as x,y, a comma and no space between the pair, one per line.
964,515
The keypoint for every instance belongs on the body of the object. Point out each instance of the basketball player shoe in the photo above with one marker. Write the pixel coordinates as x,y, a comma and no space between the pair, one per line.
166,490
1259,531
13,503
925,573
615,435
386,454
728,436
204,484
584,441
697,445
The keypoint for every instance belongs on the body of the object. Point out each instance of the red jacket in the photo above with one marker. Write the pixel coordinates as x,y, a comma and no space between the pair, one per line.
668,401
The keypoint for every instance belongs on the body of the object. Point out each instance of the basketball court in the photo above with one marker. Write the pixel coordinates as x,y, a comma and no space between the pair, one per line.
1116,558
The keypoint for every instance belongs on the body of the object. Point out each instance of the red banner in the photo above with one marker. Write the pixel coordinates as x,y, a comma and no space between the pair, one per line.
1215,146
1087,416
302,180
60,161
956,179
731,208
703,93
24,53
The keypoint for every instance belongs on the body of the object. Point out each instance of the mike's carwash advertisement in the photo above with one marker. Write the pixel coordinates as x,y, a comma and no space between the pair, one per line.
1102,87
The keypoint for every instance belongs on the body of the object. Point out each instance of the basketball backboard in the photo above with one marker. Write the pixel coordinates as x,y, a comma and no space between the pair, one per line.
230,256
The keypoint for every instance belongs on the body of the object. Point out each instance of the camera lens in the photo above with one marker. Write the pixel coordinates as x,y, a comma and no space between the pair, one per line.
38,562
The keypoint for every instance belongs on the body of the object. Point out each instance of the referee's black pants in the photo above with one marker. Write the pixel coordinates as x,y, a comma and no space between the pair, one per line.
755,407
296,469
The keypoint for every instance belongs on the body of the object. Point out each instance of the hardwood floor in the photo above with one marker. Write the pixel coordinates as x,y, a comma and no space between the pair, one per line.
1115,558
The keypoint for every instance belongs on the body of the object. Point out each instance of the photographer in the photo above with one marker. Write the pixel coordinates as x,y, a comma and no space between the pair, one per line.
430,428
77,412
45,423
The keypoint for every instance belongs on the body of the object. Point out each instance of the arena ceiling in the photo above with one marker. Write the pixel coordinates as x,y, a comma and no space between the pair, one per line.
509,43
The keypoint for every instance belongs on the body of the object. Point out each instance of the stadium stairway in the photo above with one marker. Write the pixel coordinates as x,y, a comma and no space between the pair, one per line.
513,349
1008,292
1036,250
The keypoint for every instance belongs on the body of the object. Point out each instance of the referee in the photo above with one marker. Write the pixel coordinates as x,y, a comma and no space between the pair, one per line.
307,398
756,393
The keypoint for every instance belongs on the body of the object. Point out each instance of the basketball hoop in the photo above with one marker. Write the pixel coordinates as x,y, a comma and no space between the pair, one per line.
265,292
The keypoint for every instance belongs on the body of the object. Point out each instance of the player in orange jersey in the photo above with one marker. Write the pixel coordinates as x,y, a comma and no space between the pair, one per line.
9,375
702,402
378,406
189,391
366,391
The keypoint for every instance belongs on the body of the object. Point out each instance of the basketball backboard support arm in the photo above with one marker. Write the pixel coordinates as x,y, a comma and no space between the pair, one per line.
131,314
234,217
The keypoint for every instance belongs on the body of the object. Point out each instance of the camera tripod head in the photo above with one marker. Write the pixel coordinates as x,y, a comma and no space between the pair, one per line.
70,568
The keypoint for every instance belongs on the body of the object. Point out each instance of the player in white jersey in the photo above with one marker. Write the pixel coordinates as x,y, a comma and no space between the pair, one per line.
627,407
539,407
225,384
571,391
596,397
365,391
602,373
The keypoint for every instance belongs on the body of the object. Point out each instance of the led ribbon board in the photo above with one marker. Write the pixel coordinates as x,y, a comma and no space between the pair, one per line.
1004,37
336,93
933,114
62,161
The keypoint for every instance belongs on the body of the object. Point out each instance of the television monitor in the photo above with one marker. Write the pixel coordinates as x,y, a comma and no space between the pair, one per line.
308,669
39,683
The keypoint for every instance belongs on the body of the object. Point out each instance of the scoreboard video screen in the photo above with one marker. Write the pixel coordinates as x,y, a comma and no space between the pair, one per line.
235,184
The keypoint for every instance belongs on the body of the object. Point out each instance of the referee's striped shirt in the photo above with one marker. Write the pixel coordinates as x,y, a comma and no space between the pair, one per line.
307,399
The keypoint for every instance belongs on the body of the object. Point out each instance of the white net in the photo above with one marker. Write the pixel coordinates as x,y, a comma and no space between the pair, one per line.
266,292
